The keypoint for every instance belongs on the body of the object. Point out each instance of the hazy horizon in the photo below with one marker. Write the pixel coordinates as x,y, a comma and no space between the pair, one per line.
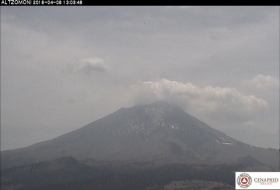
65,67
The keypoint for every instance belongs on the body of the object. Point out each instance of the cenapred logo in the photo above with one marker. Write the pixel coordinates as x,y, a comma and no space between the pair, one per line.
257,180
244,180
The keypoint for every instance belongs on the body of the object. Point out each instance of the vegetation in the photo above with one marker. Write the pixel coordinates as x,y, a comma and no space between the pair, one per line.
70,175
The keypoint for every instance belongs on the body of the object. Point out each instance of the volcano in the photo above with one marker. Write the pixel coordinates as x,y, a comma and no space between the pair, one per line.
157,133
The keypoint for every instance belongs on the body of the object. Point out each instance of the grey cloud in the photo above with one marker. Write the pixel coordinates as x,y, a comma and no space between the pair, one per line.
90,65
149,20
216,48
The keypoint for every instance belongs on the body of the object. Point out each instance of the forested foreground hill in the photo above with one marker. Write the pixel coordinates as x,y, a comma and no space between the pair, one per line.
69,174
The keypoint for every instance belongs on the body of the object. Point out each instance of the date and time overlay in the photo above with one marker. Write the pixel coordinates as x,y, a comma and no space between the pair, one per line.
42,2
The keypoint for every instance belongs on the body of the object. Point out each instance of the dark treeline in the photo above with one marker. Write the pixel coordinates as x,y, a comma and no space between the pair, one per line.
72,176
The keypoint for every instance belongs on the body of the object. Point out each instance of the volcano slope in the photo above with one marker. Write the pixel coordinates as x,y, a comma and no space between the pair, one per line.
155,133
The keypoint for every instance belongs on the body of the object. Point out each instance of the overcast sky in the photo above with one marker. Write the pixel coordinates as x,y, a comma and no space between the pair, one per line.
64,67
